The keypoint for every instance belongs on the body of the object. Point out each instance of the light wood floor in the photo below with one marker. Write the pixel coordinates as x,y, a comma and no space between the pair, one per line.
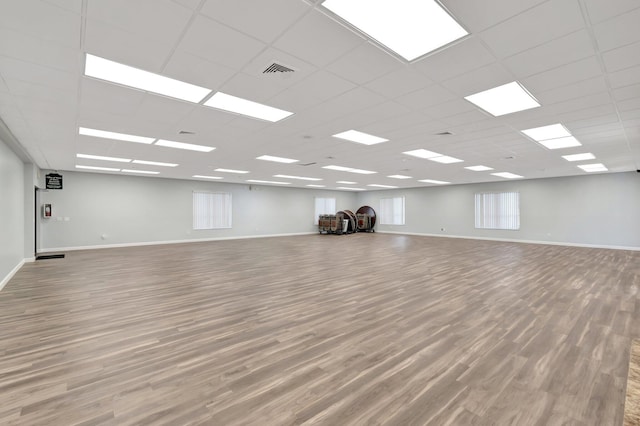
363,329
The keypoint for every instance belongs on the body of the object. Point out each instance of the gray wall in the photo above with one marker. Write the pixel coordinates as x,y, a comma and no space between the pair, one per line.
98,209
599,210
11,211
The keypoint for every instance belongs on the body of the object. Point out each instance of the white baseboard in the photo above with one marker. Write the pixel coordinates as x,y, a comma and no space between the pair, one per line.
6,279
158,243
510,240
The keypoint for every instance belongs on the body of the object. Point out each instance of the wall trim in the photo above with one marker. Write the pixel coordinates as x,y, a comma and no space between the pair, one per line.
159,243
6,279
511,240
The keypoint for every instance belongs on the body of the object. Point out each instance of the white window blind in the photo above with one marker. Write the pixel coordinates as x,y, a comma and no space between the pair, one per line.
324,206
211,210
498,210
392,211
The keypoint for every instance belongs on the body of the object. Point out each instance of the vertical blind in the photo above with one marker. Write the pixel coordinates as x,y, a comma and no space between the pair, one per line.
324,206
498,210
211,210
392,211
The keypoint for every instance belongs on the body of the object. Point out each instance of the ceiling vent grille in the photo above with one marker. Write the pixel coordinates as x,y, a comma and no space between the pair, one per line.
186,132
275,68
306,164
444,134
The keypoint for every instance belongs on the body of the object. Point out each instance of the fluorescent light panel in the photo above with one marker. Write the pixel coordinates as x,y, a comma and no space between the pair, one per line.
182,145
206,177
360,137
346,182
552,131
102,158
479,168
245,107
399,177
125,75
296,177
505,99
114,136
142,172
154,163
422,153
506,175
437,182
349,169
579,157
559,143
268,181
105,169
316,186
276,159
590,168
231,171
445,159
375,185
410,28
350,188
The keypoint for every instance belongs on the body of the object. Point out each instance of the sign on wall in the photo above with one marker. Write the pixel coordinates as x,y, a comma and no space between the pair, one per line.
53,181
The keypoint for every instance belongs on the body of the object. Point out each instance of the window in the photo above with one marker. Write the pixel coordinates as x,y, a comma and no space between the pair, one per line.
392,211
498,210
211,210
324,206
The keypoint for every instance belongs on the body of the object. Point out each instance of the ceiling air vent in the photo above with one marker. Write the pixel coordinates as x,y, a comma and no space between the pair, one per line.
444,134
186,132
306,164
276,68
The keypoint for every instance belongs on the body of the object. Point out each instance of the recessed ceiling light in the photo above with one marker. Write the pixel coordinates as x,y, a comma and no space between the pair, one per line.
115,72
276,159
438,182
567,142
346,182
590,168
553,131
268,181
579,157
506,175
375,185
101,158
479,168
142,172
114,136
296,177
399,177
182,145
359,137
410,28
422,153
231,171
445,159
351,188
105,169
316,186
349,169
206,177
505,99
245,107
155,163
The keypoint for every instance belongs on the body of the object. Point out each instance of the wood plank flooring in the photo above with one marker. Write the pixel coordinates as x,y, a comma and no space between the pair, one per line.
365,329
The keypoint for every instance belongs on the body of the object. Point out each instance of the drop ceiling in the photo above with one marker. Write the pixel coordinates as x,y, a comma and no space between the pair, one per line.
580,59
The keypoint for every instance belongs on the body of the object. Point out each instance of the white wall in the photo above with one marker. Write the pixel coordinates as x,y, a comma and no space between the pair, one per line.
599,210
11,213
100,209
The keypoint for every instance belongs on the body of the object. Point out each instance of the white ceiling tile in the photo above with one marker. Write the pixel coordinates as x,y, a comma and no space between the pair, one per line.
618,31
159,109
629,105
564,75
364,63
35,50
25,89
324,85
572,91
623,57
190,68
476,15
108,98
446,109
191,4
399,82
561,51
599,10
427,97
258,18
317,39
294,100
43,76
254,88
481,79
536,26
74,6
625,77
627,92
220,44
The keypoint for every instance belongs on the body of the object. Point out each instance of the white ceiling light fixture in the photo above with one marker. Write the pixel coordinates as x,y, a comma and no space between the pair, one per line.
104,169
114,136
506,99
437,182
507,175
409,28
231,171
277,159
316,186
296,177
246,107
351,188
181,145
399,177
206,177
155,163
554,136
596,167
141,172
125,75
375,185
433,156
479,168
102,158
349,169
445,159
360,137
268,181
579,157
346,182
